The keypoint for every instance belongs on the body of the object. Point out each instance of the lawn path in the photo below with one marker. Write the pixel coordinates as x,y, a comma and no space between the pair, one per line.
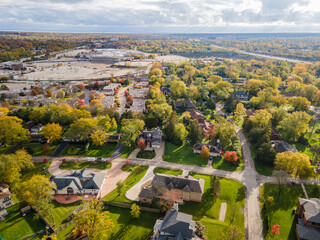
223,210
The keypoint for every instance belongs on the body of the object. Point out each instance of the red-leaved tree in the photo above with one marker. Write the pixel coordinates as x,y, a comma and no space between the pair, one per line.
142,144
275,230
230,156
46,147
81,86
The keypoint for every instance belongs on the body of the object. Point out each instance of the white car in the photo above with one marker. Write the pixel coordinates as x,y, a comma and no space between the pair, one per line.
91,159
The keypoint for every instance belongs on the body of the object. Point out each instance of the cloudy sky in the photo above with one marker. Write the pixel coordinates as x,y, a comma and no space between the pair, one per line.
159,16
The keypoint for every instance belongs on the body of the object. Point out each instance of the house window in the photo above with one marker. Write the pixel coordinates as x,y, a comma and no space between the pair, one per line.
6,199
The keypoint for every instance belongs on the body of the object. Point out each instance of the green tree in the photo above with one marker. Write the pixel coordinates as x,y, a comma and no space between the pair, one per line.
169,129
225,131
223,89
195,134
82,129
99,137
240,112
11,131
130,131
309,92
52,132
232,232
162,111
299,103
294,125
37,191
178,88
215,185
92,220
180,133
135,211
266,154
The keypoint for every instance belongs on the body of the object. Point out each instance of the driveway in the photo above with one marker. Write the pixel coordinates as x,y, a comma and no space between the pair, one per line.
159,153
133,192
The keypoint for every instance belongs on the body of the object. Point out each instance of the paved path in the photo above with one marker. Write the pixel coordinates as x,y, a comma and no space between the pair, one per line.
133,192
223,210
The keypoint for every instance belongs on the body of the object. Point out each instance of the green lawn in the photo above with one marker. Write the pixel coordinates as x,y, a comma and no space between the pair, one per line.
167,171
281,210
62,211
76,149
40,169
37,149
136,174
82,165
260,167
15,226
147,154
183,155
126,152
124,226
208,210
219,163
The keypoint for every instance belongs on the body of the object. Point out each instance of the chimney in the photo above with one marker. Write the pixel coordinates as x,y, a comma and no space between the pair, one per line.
175,207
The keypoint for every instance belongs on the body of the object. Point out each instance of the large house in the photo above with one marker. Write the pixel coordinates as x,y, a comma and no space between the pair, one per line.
79,182
152,138
184,188
175,226
5,200
308,211
214,150
184,105
204,124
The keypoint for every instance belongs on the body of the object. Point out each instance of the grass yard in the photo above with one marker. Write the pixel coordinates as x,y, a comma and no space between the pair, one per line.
147,154
126,152
15,226
40,169
37,149
183,155
260,167
208,210
62,211
135,176
281,210
167,171
82,165
124,226
76,149
219,163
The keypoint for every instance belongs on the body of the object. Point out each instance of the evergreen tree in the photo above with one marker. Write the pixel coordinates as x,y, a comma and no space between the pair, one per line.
196,133
215,185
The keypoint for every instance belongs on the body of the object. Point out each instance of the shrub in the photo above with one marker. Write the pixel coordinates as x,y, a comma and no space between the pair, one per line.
127,162
75,162
230,156
46,148
45,160
64,160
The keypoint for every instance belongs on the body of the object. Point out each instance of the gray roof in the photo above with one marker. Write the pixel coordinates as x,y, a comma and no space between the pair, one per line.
81,179
311,209
282,146
307,233
212,148
187,104
146,193
178,182
177,225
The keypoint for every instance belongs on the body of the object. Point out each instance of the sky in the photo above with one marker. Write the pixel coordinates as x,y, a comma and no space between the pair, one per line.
161,16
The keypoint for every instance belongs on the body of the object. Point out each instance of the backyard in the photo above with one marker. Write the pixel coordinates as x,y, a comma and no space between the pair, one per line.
281,209
136,173
15,226
77,149
183,154
208,210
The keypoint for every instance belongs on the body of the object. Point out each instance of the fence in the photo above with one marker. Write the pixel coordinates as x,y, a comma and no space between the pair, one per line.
124,205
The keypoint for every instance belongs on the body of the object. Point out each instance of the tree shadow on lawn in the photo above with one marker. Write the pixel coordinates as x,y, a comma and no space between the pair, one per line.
240,194
198,210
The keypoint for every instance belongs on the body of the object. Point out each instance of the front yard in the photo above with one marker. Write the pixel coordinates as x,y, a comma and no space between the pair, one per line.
77,149
167,171
37,149
182,154
208,210
146,154
281,209
219,163
15,226
82,165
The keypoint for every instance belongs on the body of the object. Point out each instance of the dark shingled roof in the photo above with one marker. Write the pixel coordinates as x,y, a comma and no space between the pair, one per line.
282,146
307,233
178,182
311,209
212,148
196,114
146,193
165,89
187,104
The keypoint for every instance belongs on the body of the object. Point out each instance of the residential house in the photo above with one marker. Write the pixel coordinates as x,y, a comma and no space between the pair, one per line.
5,200
183,105
153,138
185,188
204,124
79,182
241,95
308,211
275,135
166,91
175,225
282,146
214,150
36,129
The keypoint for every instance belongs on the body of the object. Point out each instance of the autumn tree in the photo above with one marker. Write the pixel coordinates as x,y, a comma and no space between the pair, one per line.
178,88
82,129
299,103
279,101
130,131
240,112
215,185
52,132
135,211
12,131
230,156
295,164
37,191
99,137
91,220
162,111
294,125
204,152
142,144
275,230
210,134
49,93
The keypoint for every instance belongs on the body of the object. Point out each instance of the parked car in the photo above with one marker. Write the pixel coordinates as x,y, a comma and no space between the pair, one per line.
100,159
91,159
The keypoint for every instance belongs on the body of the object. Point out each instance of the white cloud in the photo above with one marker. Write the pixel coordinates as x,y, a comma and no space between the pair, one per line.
160,15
